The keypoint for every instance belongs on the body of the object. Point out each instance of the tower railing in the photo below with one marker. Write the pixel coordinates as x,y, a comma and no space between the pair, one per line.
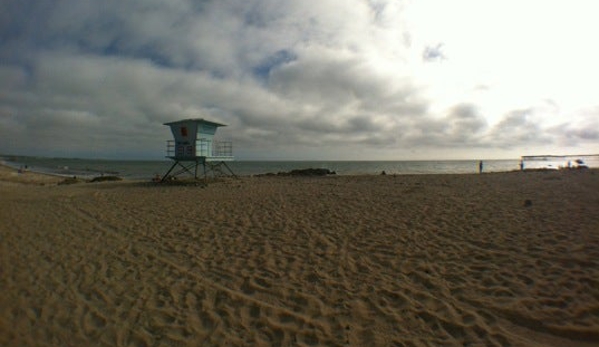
221,149
170,148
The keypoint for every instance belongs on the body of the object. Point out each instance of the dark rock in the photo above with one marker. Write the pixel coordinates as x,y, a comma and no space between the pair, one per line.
301,172
311,172
527,203
70,180
106,178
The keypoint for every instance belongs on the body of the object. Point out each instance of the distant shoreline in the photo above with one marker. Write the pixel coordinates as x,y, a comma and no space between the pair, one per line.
10,173
149,169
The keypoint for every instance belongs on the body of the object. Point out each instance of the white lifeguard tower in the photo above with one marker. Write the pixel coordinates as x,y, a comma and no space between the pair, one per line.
194,145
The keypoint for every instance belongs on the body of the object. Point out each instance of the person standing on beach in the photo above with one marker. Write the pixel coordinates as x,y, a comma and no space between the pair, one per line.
480,167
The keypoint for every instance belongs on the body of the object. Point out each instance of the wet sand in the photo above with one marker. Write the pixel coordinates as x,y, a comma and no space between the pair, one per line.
507,259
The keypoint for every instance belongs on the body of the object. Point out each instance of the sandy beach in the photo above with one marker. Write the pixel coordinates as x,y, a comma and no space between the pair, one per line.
506,259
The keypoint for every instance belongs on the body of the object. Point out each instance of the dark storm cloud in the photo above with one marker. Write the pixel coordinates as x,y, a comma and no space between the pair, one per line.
462,125
518,128
576,134
465,120
590,132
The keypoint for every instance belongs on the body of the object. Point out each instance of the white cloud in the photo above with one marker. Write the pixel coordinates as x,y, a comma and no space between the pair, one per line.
300,79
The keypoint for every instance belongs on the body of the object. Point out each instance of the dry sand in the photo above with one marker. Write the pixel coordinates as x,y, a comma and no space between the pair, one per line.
444,260
8,174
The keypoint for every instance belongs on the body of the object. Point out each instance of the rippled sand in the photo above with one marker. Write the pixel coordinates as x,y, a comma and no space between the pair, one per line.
507,259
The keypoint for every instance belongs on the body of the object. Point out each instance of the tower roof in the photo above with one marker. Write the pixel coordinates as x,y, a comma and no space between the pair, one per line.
196,120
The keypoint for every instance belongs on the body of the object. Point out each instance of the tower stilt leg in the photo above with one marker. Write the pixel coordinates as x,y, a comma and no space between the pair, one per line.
214,167
169,171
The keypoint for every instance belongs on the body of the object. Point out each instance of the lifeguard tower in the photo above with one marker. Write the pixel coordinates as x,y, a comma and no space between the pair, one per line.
194,145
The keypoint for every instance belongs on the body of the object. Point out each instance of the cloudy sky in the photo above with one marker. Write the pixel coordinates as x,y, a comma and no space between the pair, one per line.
309,79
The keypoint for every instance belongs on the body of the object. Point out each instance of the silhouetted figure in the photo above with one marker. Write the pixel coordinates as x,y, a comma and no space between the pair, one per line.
480,166
521,165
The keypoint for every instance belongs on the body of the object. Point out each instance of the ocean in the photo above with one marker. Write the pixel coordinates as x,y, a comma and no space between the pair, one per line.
142,170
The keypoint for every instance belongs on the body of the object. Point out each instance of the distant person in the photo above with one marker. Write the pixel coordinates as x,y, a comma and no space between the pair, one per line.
521,165
480,166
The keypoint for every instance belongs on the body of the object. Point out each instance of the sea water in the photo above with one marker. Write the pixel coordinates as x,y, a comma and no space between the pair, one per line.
141,170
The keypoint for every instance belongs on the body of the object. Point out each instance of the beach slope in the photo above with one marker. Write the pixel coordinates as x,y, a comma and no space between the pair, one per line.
509,259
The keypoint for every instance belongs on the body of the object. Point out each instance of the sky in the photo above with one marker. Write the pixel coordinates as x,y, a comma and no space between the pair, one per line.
301,80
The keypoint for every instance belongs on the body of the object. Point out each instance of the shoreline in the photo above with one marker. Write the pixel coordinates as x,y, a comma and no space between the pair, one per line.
9,173
146,169
13,175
